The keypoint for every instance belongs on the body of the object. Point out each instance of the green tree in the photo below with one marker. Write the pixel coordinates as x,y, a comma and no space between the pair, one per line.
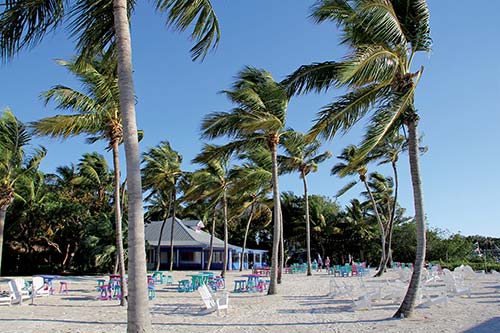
384,37
302,156
253,184
213,182
161,172
258,120
14,162
24,23
351,166
97,114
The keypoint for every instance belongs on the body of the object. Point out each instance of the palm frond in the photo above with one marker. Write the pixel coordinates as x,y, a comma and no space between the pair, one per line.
369,64
414,17
385,120
379,17
24,23
345,188
181,15
346,111
316,77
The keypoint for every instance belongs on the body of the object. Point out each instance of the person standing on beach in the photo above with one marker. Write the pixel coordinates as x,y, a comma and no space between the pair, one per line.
320,263
327,264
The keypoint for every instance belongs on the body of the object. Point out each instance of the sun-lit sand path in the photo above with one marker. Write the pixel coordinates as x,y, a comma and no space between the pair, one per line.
302,306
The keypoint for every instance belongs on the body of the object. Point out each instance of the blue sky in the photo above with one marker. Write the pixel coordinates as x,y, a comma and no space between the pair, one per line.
457,97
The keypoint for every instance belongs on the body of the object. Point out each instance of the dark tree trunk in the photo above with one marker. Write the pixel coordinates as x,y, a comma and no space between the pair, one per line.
246,236
174,199
210,254
308,226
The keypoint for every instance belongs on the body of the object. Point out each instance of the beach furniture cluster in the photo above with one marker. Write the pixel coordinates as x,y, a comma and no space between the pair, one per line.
252,283
202,278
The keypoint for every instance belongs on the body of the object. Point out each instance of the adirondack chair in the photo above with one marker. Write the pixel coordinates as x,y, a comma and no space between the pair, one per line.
15,294
211,303
40,288
21,286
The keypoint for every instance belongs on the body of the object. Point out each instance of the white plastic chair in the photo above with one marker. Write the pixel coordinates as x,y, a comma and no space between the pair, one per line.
39,286
15,294
211,303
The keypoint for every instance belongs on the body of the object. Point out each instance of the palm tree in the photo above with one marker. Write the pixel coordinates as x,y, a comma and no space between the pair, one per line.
14,162
383,37
301,156
351,166
388,152
213,182
258,120
24,23
97,115
160,175
253,180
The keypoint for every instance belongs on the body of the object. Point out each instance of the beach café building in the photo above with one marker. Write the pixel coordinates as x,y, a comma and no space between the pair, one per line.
192,247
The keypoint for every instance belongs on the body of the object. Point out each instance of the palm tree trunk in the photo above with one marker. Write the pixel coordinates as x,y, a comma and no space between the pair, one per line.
277,227
308,226
118,223
380,224
138,318
3,212
210,254
174,199
388,260
282,250
245,239
226,252
406,308
158,246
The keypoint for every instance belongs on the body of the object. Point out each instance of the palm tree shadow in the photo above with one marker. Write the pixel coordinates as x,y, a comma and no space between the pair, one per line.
491,325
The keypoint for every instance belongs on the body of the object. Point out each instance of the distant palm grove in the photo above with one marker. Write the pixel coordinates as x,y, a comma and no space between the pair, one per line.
87,217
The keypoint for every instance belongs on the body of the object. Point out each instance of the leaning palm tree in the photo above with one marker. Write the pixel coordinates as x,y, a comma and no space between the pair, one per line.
97,25
253,183
383,37
161,172
301,155
97,114
351,166
257,120
14,162
213,183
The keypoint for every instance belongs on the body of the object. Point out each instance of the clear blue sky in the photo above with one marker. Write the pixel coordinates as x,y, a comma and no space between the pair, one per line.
457,97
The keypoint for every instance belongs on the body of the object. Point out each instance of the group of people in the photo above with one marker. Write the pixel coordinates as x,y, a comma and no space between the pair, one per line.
319,263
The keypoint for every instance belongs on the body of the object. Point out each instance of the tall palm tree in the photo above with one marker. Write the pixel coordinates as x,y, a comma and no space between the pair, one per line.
24,23
253,180
213,182
383,37
98,115
14,162
257,120
161,172
351,166
388,151
302,156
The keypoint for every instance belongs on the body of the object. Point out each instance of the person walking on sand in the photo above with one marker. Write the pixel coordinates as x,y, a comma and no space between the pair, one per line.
327,264
320,263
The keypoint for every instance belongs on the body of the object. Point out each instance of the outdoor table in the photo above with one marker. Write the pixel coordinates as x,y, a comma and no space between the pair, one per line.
253,281
49,280
197,280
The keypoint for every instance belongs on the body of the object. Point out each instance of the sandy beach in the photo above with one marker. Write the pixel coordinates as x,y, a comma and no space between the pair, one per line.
303,304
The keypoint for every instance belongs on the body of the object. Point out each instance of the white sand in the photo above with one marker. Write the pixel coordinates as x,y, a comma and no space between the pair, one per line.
301,306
